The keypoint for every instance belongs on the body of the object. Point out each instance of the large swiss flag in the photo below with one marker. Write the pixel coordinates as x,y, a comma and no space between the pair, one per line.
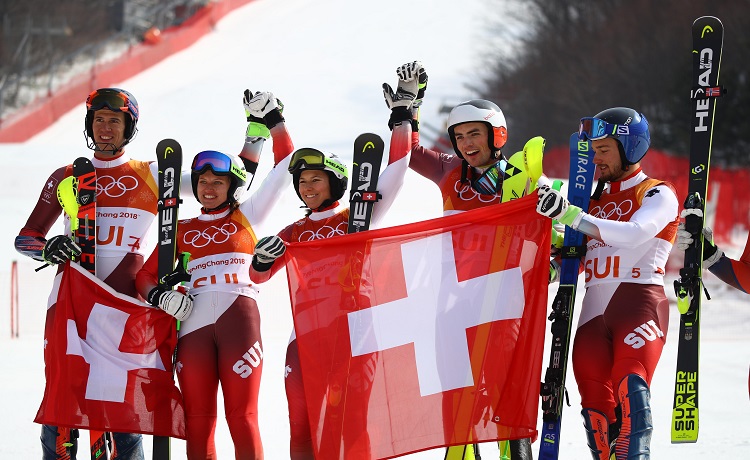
424,335
109,362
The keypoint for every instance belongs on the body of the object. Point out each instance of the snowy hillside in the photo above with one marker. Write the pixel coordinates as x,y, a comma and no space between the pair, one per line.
326,60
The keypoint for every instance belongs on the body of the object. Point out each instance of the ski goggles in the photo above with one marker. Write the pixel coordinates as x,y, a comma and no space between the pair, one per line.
490,182
591,129
219,163
309,158
114,100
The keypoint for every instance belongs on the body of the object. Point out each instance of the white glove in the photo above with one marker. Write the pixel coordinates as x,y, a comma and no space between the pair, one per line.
260,104
551,203
269,248
175,303
408,86
685,238
711,252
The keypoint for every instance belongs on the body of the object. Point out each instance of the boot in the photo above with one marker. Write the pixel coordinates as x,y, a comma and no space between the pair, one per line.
634,399
597,433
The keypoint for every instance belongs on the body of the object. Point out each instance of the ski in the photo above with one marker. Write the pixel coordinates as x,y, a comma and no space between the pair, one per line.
77,196
169,161
85,192
708,37
368,154
580,181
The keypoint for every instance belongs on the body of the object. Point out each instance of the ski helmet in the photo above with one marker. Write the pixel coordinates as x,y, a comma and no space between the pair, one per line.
116,100
481,111
626,125
220,164
309,158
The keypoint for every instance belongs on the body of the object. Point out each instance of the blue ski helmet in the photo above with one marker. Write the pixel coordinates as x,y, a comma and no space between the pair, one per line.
626,125
220,164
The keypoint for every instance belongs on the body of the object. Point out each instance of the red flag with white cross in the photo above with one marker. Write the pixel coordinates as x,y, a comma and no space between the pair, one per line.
424,335
109,362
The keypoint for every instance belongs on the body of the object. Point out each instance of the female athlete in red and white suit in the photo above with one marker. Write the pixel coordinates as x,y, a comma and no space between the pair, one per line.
221,342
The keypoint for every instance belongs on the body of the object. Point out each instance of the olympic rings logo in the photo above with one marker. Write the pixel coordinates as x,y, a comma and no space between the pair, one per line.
323,232
609,210
115,188
213,234
466,193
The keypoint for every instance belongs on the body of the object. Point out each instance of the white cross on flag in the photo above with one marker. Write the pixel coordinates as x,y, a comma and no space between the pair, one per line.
109,362
424,335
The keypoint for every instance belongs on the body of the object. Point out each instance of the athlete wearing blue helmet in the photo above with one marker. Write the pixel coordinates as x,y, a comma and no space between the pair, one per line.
626,125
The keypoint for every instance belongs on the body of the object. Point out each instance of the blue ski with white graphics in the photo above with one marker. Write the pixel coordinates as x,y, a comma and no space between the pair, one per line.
580,181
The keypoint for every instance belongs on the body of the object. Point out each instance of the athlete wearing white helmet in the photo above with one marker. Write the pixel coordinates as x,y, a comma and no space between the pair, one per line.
468,180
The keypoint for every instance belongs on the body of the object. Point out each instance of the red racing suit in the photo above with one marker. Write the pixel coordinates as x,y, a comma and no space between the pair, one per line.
624,318
327,223
221,342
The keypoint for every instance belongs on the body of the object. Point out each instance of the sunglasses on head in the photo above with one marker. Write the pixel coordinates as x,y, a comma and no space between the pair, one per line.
591,129
117,101
218,162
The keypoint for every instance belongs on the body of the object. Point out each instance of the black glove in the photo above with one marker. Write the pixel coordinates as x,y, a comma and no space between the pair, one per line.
267,250
60,249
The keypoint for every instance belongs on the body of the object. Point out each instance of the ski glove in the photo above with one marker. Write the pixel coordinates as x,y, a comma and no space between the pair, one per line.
262,107
403,99
60,249
711,253
551,203
413,71
267,250
175,303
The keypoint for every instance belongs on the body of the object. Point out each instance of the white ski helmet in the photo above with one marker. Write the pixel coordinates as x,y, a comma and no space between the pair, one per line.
483,111
220,164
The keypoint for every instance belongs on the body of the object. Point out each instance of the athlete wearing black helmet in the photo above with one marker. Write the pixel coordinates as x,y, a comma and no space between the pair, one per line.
631,226
320,181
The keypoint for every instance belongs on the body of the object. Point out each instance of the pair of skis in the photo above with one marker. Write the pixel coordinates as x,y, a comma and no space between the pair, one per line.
708,38
580,181
77,196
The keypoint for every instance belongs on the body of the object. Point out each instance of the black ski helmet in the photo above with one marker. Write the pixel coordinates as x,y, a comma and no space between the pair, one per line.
116,100
627,126
220,164
482,111
309,158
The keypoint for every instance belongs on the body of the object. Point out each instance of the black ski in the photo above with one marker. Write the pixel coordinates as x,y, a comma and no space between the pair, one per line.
708,38
580,181
368,154
169,161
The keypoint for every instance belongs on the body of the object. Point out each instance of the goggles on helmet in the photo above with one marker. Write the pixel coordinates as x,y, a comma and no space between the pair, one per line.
591,129
117,101
491,180
309,158
219,163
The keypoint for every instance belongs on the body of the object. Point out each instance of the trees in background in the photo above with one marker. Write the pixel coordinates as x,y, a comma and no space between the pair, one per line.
574,58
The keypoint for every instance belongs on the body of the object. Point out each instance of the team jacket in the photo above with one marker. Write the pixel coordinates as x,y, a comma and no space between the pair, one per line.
125,217
445,171
636,220
334,220
221,245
